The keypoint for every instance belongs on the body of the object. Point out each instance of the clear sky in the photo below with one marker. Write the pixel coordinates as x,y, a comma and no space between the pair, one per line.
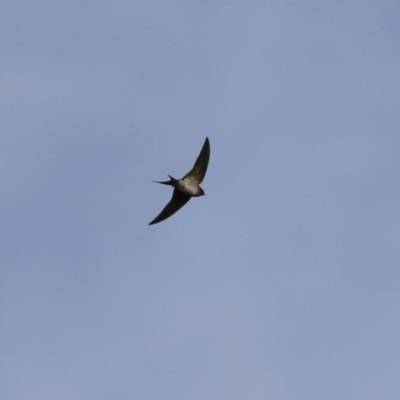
282,283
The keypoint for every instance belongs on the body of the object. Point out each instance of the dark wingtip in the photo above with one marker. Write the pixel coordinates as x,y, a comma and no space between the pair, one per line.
207,144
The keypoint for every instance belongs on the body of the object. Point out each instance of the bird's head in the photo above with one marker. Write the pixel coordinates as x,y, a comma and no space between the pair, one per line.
200,192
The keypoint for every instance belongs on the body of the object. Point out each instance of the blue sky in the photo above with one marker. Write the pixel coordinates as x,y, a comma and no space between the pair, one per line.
282,283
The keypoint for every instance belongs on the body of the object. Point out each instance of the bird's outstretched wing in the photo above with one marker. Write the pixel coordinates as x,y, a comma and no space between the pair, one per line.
177,201
200,166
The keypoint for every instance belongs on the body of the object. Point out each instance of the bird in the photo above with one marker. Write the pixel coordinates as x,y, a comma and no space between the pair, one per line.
187,187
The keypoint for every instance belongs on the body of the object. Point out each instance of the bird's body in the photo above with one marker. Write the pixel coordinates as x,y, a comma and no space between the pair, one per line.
187,187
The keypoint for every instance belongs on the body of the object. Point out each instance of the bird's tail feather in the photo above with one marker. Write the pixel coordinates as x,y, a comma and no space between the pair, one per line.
171,182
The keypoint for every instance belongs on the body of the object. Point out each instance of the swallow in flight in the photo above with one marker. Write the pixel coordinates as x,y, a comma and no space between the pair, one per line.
187,187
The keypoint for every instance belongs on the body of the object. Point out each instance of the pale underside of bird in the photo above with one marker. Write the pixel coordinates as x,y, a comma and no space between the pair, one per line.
187,187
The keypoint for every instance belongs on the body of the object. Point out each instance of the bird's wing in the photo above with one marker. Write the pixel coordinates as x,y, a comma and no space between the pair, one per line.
200,166
177,201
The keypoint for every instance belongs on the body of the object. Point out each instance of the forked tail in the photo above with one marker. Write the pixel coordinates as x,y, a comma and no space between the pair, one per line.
171,182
